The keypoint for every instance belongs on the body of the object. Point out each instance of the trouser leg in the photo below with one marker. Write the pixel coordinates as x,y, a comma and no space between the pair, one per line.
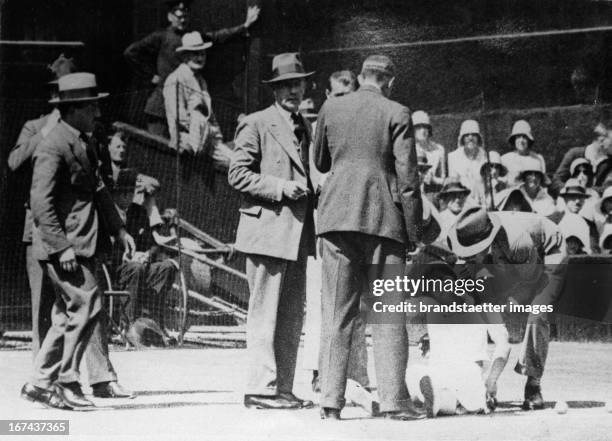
358,356
43,298
342,285
97,360
75,315
159,278
131,278
265,277
310,358
389,340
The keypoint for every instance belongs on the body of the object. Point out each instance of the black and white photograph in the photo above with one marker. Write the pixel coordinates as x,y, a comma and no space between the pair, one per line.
306,220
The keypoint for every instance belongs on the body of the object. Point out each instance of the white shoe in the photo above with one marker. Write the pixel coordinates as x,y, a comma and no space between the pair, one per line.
359,396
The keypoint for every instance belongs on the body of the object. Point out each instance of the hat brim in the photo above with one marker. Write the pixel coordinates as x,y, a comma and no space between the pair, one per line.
582,195
455,191
198,48
545,179
78,100
527,135
288,76
471,250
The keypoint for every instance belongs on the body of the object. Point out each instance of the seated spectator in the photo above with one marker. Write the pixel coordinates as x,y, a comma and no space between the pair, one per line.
492,175
198,130
532,186
563,173
523,156
453,196
512,199
423,167
436,154
603,211
465,162
575,231
582,171
150,274
572,200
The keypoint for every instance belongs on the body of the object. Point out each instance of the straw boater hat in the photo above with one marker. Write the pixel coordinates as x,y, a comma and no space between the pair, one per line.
453,186
473,232
573,188
193,42
287,66
520,127
77,87
494,161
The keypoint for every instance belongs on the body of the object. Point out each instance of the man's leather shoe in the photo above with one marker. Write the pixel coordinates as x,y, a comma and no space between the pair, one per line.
405,415
269,402
304,404
72,395
111,389
533,398
36,394
329,413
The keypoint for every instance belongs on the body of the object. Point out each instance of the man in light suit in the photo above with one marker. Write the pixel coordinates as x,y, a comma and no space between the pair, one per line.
369,207
276,231
71,209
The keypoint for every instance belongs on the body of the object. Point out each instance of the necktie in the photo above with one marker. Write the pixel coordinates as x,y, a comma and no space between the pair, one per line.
303,143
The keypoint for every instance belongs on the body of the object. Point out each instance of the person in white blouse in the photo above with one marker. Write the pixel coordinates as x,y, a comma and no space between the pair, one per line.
435,153
464,163
532,186
521,140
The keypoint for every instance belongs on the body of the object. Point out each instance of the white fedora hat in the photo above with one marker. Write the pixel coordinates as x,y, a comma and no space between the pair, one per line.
193,42
77,87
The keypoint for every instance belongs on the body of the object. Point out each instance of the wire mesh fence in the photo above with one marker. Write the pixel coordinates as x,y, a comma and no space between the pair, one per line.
209,288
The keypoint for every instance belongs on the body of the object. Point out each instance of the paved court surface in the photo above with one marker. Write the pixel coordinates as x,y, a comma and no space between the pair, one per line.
195,394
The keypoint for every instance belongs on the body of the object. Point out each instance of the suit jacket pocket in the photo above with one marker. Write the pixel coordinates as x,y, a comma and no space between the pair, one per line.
254,211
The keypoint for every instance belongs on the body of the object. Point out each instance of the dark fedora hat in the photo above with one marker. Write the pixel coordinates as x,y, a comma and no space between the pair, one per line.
453,186
287,66
473,232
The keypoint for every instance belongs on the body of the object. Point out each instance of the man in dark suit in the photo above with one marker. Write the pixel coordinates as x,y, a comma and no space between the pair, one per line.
276,231
155,55
71,209
369,207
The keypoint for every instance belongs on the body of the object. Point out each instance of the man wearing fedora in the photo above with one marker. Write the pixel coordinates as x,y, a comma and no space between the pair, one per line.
196,121
276,232
155,57
369,207
71,210
515,245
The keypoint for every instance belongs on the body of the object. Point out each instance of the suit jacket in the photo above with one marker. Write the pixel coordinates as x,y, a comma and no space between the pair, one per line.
365,142
192,93
265,157
156,54
20,156
70,204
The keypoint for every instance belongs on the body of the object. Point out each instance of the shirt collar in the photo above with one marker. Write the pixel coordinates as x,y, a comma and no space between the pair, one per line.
285,114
